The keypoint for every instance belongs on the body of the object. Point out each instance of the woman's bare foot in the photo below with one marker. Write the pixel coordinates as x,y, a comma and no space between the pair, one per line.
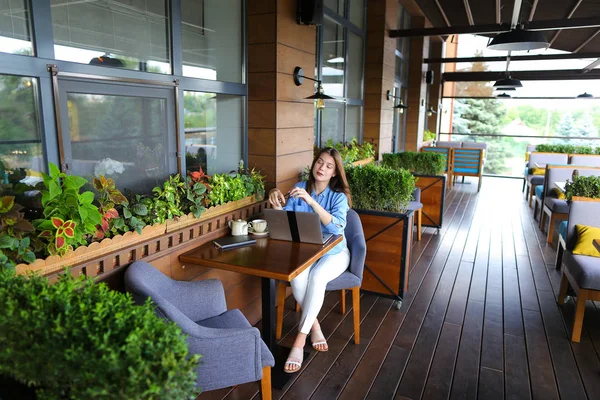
294,360
319,343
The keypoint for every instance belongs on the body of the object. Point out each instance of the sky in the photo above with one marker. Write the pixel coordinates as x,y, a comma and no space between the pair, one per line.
469,44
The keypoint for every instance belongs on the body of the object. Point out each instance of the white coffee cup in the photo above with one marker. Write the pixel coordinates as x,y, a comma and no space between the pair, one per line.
259,225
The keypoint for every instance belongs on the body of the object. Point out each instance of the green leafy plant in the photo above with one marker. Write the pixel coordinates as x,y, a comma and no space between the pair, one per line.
79,340
108,197
253,181
14,231
375,187
564,148
133,215
428,135
167,199
62,236
62,201
418,163
352,151
194,197
583,186
226,188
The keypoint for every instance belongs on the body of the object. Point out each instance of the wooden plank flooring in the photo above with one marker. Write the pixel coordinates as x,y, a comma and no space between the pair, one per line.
480,319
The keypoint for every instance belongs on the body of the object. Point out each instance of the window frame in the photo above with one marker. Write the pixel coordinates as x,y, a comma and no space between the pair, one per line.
39,65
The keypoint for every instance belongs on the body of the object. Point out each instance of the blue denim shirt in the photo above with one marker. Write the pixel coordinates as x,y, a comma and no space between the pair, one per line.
335,203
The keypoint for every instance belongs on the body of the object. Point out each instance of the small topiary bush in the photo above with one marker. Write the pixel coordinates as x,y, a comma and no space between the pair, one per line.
378,188
418,163
79,340
583,186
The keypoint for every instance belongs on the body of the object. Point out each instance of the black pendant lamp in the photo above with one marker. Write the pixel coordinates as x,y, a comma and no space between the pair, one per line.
507,83
585,95
503,96
507,89
519,39
319,95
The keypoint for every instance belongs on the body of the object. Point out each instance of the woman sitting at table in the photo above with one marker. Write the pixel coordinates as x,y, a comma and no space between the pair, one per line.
326,193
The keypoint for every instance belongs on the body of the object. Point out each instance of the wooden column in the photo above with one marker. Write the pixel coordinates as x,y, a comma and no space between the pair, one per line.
435,89
280,120
380,66
417,90
451,50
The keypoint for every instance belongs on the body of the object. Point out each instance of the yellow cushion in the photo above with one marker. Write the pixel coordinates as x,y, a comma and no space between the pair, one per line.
527,156
560,194
585,236
538,171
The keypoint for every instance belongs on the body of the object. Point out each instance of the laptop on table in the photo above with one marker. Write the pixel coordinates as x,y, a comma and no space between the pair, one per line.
295,226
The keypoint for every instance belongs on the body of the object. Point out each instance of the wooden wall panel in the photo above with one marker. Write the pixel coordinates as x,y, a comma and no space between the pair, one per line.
262,86
291,165
302,37
288,58
288,91
261,28
295,115
262,57
261,141
261,114
262,7
292,140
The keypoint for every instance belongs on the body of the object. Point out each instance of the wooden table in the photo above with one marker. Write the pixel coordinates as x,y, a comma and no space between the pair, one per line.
270,260
597,244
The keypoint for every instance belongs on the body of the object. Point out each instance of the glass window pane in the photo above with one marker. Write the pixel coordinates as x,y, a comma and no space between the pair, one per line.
213,124
332,123
113,33
333,58
21,153
357,12
212,39
337,6
400,18
353,123
122,137
15,27
355,66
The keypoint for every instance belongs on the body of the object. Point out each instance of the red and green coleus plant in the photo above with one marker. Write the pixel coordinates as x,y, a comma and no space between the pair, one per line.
62,236
108,197
15,244
62,201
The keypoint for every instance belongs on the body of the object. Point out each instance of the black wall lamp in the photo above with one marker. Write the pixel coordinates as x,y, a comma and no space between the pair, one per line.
319,95
431,111
400,107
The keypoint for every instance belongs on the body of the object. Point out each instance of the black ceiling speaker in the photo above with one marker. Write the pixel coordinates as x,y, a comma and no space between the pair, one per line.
429,77
310,12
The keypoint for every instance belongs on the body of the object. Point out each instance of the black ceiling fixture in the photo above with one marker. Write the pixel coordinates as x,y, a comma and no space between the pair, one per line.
519,39
507,83
585,95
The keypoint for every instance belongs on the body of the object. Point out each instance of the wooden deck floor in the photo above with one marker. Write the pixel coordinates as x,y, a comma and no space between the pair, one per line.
480,319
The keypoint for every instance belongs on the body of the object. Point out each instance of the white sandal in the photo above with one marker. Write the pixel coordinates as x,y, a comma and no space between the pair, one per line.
319,342
293,361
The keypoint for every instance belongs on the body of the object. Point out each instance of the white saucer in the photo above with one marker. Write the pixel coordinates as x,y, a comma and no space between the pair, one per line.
260,234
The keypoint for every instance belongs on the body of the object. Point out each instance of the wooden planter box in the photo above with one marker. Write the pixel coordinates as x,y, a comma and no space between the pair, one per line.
389,242
362,162
433,193
123,249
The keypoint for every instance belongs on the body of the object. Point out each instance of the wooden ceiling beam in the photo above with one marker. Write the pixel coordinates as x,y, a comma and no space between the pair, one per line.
546,25
540,57
568,17
543,75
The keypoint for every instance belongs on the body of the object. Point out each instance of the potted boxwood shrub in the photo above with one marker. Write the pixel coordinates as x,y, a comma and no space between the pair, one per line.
79,340
428,168
380,197
583,188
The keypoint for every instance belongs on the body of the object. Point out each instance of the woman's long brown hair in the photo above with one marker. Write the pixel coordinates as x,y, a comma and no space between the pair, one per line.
337,183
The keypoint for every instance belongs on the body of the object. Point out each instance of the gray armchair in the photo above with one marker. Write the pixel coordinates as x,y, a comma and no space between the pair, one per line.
232,350
349,279
416,206
581,273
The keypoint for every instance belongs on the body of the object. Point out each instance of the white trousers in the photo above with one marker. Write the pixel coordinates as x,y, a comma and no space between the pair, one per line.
309,287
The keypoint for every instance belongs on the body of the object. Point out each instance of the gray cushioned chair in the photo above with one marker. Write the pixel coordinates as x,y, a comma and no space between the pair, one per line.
581,273
450,144
541,159
232,350
417,207
587,160
350,279
554,207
